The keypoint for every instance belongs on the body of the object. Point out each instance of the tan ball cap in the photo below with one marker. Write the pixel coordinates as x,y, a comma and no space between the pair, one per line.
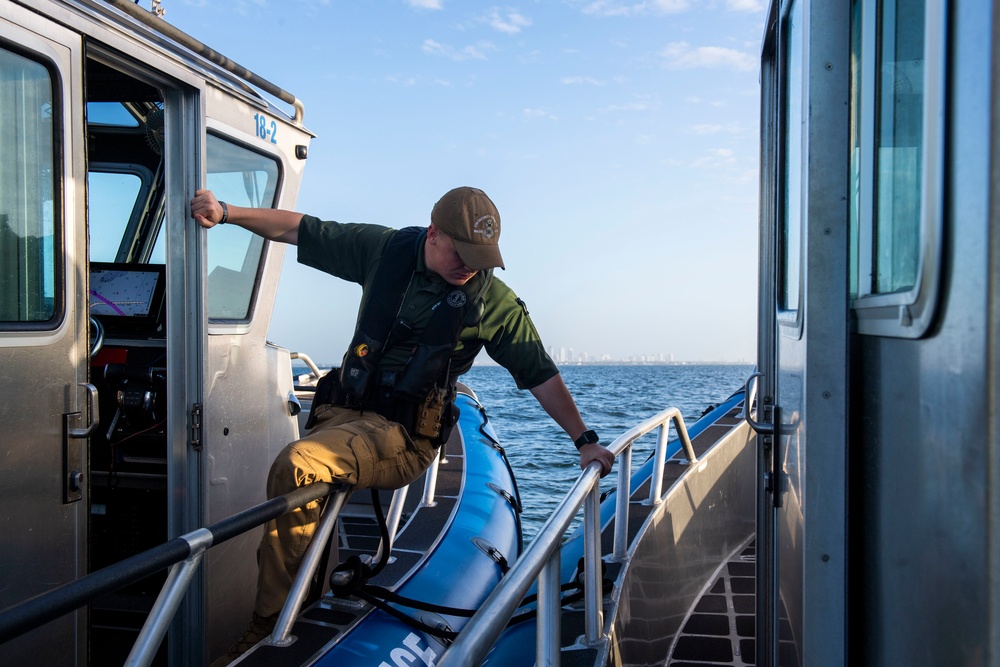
471,220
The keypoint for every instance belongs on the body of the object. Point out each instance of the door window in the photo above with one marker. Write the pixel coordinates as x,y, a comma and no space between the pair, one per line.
29,274
898,124
790,245
242,177
895,164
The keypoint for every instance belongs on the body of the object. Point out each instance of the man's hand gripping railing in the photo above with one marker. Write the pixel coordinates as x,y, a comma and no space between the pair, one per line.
541,559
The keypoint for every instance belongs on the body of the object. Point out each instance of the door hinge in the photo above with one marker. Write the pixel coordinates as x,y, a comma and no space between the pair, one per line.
196,426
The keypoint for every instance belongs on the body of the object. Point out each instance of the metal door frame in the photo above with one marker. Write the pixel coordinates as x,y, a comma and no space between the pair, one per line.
184,126
802,547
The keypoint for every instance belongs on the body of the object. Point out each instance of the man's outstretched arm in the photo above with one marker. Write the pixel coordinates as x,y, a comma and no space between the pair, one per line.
271,223
554,397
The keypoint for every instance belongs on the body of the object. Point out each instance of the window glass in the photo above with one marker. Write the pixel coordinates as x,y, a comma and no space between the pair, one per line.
899,137
112,199
791,213
110,113
28,272
241,177
855,174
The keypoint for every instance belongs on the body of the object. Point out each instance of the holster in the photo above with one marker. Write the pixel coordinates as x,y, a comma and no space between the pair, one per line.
328,392
437,416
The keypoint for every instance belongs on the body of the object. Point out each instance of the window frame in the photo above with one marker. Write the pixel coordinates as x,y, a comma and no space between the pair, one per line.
59,291
907,313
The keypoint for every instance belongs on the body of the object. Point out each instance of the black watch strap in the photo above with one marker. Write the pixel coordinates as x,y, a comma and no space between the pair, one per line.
588,438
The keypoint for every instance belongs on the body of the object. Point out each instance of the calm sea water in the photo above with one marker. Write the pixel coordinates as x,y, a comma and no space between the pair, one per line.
612,399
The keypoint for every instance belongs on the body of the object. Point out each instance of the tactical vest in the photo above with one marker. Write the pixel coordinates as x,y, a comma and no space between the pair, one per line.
420,397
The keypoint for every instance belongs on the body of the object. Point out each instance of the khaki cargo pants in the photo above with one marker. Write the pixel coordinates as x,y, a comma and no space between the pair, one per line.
364,450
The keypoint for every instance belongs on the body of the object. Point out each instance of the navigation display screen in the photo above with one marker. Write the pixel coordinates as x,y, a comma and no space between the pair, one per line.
126,293
122,293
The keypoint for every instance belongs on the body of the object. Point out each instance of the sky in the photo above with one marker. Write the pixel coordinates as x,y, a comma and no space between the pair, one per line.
619,141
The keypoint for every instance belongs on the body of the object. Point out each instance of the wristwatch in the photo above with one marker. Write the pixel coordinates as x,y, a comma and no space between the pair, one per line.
588,438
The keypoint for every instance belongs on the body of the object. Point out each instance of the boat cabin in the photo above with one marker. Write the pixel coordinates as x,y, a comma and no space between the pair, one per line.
139,396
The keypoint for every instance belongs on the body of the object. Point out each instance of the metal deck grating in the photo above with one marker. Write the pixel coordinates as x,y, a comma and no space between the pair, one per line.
720,629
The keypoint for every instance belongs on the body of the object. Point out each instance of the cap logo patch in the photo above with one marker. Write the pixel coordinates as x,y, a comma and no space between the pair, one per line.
456,298
485,225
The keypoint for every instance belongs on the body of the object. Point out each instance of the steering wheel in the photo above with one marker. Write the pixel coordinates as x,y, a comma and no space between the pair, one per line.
97,336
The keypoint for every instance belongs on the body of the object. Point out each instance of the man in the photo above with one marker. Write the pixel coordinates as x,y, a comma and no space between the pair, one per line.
429,305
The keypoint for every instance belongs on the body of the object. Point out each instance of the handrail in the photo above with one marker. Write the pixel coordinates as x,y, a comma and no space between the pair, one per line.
307,360
156,23
281,634
430,481
41,609
750,392
541,559
153,631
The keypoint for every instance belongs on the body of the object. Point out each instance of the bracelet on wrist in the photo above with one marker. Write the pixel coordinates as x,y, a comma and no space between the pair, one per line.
225,213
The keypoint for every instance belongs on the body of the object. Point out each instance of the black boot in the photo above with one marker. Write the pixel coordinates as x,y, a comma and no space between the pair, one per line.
260,628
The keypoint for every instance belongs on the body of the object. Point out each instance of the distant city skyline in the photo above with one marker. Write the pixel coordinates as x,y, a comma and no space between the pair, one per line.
568,355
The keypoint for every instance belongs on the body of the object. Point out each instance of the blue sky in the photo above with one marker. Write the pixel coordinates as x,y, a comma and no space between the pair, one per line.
619,141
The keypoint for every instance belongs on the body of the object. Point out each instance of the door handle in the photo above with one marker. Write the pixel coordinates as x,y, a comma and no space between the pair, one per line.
760,428
73,459
94,417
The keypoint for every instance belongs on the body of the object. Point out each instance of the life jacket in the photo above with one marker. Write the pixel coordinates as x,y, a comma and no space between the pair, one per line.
423,390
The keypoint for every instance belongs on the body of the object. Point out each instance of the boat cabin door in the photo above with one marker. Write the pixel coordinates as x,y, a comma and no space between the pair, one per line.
801,399
47,403
96,258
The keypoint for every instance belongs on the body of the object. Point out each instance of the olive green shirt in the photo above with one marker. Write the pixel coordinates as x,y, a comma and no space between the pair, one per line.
352,251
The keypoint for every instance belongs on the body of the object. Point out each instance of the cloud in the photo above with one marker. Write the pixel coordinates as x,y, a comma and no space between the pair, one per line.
469,52
616,8
510,22
534,114
425,4
681,55
716,157
705,128
749,6
610,8
638,105
403,81
578,80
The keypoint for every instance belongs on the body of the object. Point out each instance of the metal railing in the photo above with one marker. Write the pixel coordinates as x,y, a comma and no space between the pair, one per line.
541,560
156,23
181,554
307,360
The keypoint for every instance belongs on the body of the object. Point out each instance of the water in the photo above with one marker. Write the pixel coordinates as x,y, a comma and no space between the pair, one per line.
612,399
